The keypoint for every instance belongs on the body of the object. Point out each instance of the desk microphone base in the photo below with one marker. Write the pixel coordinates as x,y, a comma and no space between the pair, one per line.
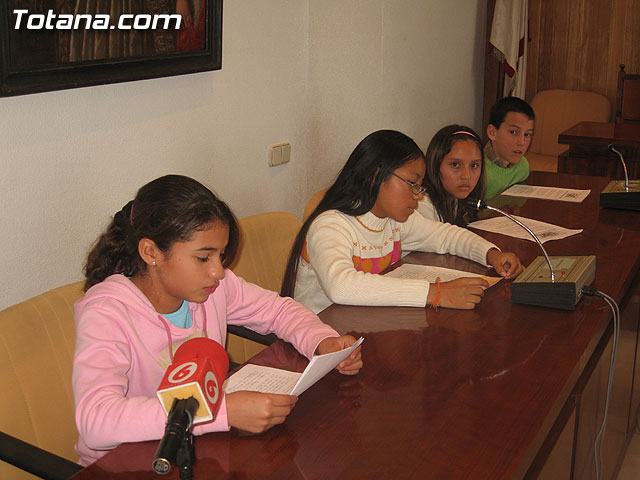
614,195
534,286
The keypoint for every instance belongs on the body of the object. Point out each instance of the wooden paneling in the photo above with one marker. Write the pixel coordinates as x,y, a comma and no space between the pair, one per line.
579,44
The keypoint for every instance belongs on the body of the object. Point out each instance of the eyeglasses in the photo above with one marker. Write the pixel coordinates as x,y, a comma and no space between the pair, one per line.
415,188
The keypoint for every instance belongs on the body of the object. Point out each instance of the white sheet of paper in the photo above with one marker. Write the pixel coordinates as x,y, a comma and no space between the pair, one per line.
425,272
505,226
257,378
320,365
547,193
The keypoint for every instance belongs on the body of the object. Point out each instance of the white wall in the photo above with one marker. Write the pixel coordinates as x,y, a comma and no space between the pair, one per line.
319,74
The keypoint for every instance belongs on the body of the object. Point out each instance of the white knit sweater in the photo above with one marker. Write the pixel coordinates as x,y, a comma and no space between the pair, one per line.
341,258
428,210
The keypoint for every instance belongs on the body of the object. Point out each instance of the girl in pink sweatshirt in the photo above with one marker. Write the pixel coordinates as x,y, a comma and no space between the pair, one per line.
156,278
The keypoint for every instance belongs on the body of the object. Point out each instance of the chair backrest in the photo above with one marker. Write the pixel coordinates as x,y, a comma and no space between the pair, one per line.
265,243
628,97
313,202
37,342
557,110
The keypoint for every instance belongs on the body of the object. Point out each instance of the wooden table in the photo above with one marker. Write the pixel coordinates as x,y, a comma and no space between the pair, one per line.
501,391
588,153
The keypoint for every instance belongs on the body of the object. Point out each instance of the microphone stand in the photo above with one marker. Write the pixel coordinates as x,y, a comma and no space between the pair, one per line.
531,287
624,166
618,195
481,205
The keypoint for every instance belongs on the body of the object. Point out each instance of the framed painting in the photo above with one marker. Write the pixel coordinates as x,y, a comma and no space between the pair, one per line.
58,44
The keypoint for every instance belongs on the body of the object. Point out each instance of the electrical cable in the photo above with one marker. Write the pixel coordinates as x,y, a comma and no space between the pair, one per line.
597,445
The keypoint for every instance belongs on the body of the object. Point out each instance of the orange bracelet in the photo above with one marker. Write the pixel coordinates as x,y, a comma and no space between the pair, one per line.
436,301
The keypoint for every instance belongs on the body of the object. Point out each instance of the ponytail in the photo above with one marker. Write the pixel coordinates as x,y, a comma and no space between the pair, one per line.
116,250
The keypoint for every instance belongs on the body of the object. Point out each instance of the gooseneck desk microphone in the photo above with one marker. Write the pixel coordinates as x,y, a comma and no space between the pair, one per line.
538,284
618,194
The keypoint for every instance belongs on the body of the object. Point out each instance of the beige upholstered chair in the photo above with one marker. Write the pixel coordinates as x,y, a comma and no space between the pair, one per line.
265,243
557,110
313,202
37,341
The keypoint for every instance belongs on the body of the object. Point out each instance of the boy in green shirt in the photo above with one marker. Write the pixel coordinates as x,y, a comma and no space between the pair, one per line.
510,130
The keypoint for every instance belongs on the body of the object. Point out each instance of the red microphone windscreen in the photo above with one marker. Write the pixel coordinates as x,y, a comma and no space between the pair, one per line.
199,367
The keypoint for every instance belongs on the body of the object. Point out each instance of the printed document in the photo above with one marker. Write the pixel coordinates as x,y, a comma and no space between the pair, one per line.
547,193
506,226
425,272
257,378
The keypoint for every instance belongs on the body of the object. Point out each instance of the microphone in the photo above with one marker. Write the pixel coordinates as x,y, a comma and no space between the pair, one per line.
624,166
618,194
480,205
190,392
178,427
538,286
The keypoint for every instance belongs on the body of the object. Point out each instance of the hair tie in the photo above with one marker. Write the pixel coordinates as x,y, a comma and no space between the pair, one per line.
124,217
465,132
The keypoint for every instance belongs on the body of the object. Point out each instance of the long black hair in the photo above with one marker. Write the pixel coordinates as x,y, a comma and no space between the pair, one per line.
356,188
166,210
447,206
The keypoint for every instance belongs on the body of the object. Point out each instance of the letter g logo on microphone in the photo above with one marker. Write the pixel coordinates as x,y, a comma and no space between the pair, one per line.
182,372
212,389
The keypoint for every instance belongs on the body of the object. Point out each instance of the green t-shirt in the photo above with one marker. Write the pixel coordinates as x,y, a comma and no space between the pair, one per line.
498,179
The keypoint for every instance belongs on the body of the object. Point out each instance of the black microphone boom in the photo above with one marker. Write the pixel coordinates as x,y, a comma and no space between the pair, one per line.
538,285
178,425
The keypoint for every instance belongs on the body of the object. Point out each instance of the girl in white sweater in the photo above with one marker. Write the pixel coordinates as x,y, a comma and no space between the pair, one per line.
365,220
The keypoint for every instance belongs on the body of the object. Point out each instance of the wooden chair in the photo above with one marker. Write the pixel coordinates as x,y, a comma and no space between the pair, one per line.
557,110
628,97
37,342
313,202
265,243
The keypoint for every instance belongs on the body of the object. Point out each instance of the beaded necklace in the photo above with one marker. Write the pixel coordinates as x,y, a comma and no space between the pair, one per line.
370,229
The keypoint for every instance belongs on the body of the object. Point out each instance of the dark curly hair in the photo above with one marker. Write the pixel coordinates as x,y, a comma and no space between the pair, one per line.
166,210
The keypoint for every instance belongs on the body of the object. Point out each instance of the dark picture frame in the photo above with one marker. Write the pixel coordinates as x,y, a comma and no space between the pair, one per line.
34,61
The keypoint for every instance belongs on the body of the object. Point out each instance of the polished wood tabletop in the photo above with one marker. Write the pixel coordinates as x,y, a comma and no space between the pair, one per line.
442,394
588,152
622,134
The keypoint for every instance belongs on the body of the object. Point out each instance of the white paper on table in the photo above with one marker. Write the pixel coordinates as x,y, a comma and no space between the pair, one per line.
547,193
505,226
257,378
410,271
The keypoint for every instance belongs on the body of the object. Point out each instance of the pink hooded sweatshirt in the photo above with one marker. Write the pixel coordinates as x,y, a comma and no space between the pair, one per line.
122,352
